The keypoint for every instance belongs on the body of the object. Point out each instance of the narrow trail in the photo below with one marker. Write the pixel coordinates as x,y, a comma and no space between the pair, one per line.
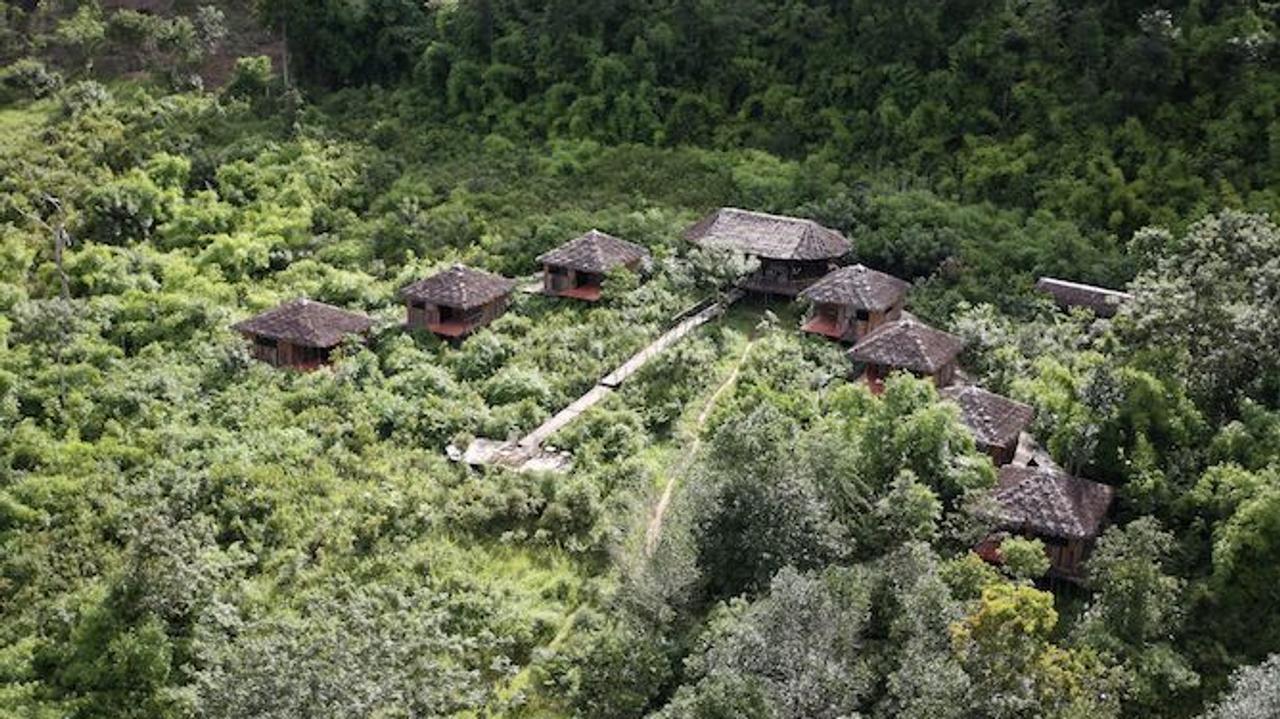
654,529
521,678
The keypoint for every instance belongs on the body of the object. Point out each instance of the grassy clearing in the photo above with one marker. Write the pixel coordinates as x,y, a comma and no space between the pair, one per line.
18,122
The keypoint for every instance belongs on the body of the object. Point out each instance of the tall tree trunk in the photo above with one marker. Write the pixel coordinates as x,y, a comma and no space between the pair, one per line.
284,31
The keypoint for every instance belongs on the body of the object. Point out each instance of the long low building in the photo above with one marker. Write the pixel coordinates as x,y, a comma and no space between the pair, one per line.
1067,295
793,252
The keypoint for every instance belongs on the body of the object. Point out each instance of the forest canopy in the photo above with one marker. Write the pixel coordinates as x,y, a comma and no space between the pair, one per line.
747,530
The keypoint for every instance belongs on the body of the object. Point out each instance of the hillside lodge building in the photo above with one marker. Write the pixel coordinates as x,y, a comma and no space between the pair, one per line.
850,302
577,268
996,422
1065,512
456,302
301,333
793,252
907,345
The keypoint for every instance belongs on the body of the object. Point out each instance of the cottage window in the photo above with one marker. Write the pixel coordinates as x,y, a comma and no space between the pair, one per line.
264,342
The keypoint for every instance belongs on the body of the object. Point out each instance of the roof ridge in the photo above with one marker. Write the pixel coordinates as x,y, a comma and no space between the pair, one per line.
918,341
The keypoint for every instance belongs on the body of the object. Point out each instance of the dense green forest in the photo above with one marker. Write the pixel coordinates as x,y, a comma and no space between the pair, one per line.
185,532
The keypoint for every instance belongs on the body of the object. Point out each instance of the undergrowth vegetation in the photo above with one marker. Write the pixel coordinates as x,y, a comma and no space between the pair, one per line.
185,532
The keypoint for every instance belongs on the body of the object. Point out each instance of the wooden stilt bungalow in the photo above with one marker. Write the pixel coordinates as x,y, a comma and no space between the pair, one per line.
1102,301
910,345
301,333
793,252
577,268
850,302
456,302
1065,512
996,422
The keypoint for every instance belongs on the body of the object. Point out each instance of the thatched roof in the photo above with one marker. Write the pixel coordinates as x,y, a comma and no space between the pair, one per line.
306,323
769,236
1050,502
595,252
995,421
908,344
459,286
858,286
1101,300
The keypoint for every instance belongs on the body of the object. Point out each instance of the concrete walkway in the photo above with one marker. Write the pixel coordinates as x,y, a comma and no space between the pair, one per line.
564,417
614,379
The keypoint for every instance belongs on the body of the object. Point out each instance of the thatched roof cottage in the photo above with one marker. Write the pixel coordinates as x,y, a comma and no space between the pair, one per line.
1066,513
301,333
577,268
996,422
850,302
910,345
456,302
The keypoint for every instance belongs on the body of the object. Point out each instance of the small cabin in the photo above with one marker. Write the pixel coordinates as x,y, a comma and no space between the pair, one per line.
456,302
1067,295
996,422
793,252
577,268
301,333
907,345
1065,512
850,302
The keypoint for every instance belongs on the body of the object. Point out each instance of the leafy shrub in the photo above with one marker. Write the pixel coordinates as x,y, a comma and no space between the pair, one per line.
239,255
31,78
1024,559
604,435
127,209
513,384
481,355
251,79
83,96
195,221
543,507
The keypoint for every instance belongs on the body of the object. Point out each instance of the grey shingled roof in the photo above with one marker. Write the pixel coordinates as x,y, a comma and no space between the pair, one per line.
1101,300
908,344
1050,502
461,287
859,286
769,236
994,420
306,323
594,252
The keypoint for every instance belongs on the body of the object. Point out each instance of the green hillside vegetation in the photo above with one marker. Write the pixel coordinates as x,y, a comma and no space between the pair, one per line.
185,532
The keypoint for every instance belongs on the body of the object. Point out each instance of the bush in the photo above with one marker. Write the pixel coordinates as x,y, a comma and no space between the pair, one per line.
83,96
251,79
30,78
513,384
129,208
1024,559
